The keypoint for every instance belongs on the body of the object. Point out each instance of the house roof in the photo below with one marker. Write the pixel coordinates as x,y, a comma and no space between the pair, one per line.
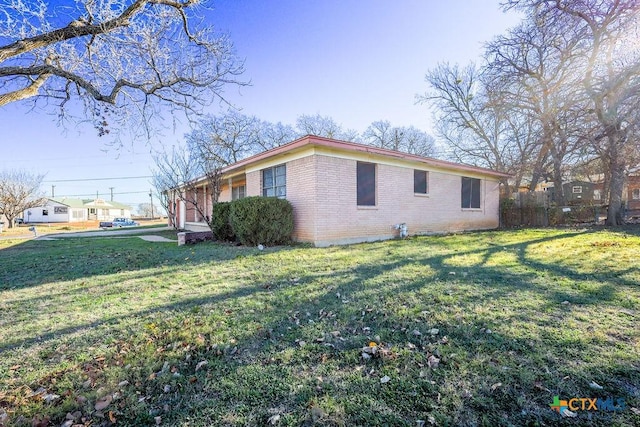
90,203
317,141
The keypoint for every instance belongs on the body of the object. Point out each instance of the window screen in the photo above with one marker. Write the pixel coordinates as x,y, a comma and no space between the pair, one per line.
366,184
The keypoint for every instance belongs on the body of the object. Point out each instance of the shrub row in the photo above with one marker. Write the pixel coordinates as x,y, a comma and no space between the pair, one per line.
253,221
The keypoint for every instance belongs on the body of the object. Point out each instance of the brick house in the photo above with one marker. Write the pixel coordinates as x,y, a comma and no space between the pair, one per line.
344,192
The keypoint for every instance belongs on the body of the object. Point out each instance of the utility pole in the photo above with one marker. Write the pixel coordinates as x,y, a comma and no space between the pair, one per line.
111,188
151,197
53,191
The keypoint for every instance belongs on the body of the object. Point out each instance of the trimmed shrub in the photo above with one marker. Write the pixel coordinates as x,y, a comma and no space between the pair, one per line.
220,224
262,220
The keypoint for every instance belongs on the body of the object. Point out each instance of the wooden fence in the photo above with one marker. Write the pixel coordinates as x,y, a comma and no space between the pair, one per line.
534,209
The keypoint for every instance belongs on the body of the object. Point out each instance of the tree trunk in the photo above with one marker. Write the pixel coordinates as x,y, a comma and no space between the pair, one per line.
616,162
616,185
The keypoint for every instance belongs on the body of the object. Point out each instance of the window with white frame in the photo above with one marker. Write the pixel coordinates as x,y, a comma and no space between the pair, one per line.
274,182
635,194
576,189
238,192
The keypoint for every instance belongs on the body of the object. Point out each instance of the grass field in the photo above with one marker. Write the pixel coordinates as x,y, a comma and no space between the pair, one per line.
460,330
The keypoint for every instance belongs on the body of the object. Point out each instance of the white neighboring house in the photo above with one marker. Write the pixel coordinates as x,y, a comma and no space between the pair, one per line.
76,210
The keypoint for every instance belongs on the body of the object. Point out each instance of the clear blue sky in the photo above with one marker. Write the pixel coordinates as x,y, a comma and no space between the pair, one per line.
354,60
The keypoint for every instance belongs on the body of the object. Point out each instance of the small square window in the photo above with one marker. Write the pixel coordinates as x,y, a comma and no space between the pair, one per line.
45,212
635,194
238,192
577,189
274,182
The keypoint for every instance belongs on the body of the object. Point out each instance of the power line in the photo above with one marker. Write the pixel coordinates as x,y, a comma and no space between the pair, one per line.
98,179
93,194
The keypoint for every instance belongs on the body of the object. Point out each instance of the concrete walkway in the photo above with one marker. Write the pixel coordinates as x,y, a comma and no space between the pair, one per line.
106,233
157,239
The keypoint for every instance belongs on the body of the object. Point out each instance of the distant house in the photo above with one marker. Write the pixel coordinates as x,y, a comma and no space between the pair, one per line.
633,193
76,210
344,192
575,191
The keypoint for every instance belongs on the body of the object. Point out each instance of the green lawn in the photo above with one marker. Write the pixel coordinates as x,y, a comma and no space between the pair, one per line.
471,329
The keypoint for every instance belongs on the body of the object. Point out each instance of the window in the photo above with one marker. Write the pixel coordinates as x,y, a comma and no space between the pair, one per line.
366,183
76,214
60,210
576,189
121,212
420,182
597,195
274,182
635,194
45,212
470,193
238,192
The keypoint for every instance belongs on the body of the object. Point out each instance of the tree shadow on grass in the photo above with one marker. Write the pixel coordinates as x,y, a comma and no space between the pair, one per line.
376,296
32,263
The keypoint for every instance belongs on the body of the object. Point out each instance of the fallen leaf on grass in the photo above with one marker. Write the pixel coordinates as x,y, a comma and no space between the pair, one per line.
112,417
40,421
158,420
495,386
317,413
635,411
274,419
433,361
595,385
50,397
568,413
103,402
201,364
385,379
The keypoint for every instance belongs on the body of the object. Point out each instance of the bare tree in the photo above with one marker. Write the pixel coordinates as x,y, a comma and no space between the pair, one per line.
19,191
475,123
406,139
148,210
123,61
276,134
608,63
324,126
175,178
531,70
225,139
